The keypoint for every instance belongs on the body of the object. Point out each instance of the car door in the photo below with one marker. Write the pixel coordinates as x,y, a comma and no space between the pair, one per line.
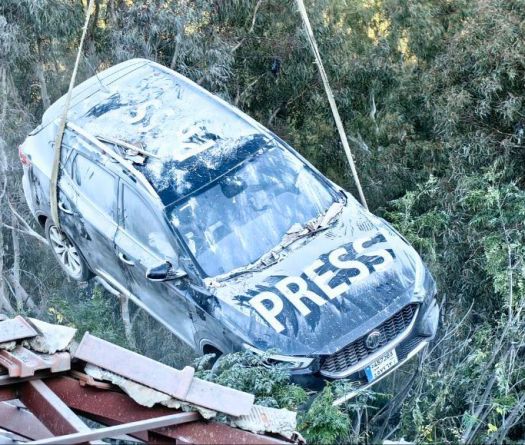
93,214
143,240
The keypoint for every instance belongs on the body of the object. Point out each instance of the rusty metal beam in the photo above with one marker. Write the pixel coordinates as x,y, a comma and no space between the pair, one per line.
125,428
20,421
219,433
16,329
111,408
7,381
51,411
7,393
179,384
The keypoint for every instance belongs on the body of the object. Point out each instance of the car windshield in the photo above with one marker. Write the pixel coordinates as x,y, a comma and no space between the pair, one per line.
246,212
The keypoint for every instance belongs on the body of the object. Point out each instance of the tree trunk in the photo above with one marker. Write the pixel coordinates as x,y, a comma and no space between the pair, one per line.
126,319
5,305
21,296
41,77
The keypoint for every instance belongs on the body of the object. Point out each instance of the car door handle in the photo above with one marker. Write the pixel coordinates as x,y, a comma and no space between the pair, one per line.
62,207
125,259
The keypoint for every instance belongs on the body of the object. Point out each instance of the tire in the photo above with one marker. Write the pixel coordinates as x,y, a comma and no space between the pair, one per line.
67,253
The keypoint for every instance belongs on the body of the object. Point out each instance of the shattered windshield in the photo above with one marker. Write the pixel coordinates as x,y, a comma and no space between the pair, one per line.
246,212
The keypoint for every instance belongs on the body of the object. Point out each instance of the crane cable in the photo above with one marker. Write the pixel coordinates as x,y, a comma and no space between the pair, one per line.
331,100
55,170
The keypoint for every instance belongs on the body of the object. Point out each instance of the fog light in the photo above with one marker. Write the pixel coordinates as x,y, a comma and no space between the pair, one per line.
430,319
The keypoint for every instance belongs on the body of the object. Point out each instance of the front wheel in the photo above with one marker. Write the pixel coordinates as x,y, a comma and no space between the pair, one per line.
67,253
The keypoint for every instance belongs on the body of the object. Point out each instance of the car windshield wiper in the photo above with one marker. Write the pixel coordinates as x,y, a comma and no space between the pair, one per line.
295,233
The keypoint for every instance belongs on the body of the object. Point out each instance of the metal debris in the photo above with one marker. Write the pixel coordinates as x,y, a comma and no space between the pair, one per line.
261,419
142,394
39,395
21,362
180,385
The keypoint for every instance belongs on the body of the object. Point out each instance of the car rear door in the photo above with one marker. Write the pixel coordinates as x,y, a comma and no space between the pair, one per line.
143,241
92,207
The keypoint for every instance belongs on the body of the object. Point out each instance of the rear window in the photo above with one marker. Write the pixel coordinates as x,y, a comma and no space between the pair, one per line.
95,183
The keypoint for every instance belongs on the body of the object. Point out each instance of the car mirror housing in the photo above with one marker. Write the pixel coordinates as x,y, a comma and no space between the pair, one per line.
164,271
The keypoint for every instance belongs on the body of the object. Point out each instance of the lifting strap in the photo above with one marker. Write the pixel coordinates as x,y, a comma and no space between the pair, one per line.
55,170
331,100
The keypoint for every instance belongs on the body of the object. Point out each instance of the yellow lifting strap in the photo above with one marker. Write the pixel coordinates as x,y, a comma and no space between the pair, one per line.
55,170
331,100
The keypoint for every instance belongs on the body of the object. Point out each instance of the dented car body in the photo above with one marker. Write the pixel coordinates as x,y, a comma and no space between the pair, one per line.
223,232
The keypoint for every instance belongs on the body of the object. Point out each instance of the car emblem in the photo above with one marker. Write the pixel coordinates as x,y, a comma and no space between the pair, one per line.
373,340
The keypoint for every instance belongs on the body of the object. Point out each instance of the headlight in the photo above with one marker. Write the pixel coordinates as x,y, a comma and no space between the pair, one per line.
289,362
419,281
424,284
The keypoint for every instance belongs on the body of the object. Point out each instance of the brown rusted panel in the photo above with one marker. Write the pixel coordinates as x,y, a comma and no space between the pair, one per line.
201,433
103,403
22,422
16,329
125,428
85,379
112,408
21,362
7,393
179,384
50,409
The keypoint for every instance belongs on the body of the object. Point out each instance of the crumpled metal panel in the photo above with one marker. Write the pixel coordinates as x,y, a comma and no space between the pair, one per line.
21,362
178,384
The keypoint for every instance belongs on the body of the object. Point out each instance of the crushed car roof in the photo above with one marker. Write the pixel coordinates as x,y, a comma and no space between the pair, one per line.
189,130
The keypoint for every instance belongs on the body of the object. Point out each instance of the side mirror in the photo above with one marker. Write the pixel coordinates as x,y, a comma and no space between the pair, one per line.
164,272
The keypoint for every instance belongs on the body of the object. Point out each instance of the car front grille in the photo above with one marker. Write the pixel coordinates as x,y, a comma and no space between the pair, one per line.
357,351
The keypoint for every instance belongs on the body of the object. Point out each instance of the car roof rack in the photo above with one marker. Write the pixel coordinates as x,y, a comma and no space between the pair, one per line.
127,146
115,156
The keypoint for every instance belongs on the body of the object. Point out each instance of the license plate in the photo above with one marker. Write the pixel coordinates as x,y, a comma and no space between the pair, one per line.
381,365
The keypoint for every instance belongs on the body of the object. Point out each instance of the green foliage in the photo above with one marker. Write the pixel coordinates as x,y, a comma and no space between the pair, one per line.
91,311
249,372
324,423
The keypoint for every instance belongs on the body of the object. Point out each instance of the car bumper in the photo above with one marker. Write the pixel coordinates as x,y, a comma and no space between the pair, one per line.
362,385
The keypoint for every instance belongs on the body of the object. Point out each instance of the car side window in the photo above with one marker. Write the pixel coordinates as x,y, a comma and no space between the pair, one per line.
143,225
95,183
69,142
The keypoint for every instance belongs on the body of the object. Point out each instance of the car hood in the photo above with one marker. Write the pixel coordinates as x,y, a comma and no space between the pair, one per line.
326,290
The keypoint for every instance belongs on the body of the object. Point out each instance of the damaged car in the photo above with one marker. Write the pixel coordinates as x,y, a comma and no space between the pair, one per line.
223,232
